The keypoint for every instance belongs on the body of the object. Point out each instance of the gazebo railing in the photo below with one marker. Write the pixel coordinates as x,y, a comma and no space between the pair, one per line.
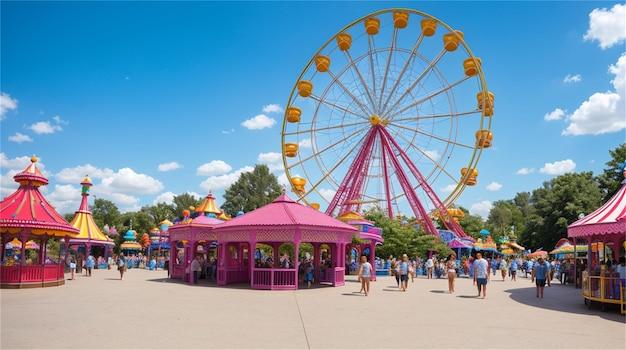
603,289
178,271
274,278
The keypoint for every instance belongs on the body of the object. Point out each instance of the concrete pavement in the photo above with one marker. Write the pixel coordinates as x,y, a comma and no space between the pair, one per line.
146,310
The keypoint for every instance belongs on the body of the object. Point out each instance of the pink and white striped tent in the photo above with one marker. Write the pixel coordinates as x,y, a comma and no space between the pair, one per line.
609,219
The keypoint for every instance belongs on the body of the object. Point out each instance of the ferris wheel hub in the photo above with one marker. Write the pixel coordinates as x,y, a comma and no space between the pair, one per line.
376,120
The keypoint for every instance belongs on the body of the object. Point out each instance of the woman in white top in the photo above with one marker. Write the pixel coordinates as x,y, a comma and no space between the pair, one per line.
451,270
504,266
365,273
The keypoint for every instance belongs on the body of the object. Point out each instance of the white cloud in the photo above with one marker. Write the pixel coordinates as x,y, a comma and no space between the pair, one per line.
556,114
165,197
608,27
213,183
57,119
227,132
117,186
273,160
559,167
283,181
260,121
602,112
272,108
169,166
45,127
18,163
576,78
448,188
214,167
6,104
65,198
19,138
328,194
126,180
525,171
432,154
481,208
494,187
76,174
305,143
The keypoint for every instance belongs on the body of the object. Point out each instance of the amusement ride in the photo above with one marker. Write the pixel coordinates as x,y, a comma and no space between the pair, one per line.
390,110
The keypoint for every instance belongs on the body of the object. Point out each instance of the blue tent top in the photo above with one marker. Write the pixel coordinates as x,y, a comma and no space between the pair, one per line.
161,245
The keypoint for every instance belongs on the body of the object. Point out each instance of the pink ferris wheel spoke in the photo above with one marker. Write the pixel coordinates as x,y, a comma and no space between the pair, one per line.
451,224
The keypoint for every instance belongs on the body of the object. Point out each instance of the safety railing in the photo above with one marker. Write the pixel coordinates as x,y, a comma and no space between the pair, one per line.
604,289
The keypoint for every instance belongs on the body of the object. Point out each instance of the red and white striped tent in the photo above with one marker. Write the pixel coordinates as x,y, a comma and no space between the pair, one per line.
606,224
608,220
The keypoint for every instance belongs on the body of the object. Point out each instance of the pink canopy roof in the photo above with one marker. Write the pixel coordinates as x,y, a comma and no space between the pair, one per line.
284,212
26,208
609,219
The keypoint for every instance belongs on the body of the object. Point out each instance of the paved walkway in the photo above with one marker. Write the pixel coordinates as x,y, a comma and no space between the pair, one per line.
146,310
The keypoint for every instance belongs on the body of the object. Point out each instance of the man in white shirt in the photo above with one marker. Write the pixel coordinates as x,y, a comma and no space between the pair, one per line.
481,274
429,268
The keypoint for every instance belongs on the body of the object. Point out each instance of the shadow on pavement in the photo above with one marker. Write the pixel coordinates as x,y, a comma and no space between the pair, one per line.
467,296
554,302
353,294
438,291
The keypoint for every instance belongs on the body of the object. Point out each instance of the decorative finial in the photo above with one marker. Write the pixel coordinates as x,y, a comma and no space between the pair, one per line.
34,159
283,190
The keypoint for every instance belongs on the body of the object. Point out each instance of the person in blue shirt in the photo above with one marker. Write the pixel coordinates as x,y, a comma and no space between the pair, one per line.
540,274
513,269
90,264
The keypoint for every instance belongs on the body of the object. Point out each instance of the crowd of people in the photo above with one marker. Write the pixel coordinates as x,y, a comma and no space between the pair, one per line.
541,271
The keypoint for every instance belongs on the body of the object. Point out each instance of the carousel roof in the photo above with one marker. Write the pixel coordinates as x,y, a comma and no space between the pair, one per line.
27,208
208,206
608,219
131,245
283,211
354,218
83,221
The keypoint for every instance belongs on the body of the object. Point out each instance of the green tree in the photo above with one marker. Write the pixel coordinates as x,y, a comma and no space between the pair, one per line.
142,222
68,217
556,205
611,178
404,238
184,201
471,224
252,190
105,212
159,212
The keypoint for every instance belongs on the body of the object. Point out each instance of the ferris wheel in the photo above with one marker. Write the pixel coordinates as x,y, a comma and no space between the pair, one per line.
389,112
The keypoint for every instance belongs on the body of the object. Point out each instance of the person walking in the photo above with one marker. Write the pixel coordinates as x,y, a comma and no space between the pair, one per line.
503,268
541,274
365,274
513,269
395,271
481,274
196,268
121,265
430,264
72,268
90,264
451,268
404,273
308,273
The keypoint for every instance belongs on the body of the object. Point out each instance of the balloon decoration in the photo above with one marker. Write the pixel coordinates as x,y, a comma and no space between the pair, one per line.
145,240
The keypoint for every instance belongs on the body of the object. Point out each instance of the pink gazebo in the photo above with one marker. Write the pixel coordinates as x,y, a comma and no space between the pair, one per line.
26,215
239,242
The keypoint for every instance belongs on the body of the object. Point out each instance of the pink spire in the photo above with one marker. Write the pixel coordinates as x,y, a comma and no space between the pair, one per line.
84,203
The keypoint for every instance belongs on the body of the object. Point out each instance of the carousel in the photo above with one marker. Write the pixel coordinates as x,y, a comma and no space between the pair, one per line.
90,237
31,232
604,232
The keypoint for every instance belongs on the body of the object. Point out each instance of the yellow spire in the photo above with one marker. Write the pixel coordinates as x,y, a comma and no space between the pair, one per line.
208,206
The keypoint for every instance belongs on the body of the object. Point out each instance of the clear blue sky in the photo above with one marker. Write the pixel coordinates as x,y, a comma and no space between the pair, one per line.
141,84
